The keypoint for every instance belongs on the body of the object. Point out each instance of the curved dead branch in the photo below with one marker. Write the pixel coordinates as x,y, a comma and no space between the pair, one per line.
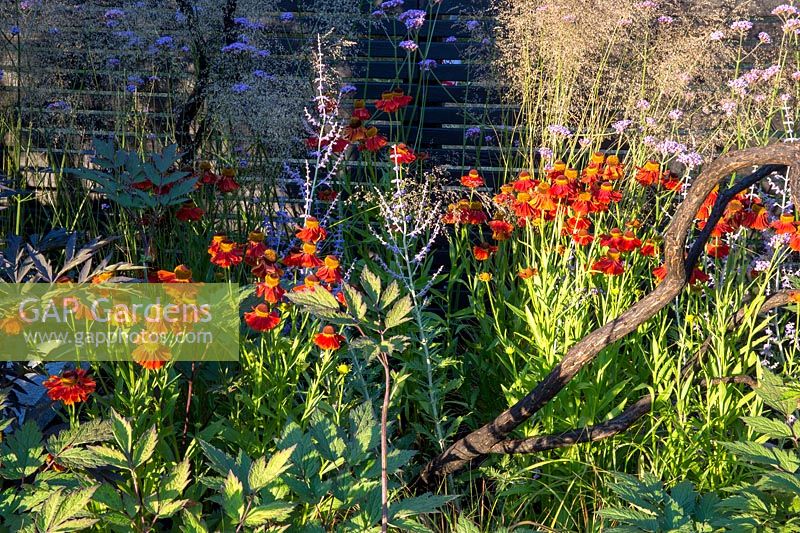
482,441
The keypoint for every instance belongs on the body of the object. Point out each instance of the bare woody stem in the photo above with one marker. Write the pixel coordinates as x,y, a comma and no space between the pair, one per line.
384,359
481,442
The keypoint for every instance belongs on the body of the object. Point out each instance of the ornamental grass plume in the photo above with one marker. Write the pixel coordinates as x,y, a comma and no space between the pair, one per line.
643,72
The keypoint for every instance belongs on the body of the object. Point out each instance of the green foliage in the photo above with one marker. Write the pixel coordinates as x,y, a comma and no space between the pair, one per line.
135,182
770,503
655,509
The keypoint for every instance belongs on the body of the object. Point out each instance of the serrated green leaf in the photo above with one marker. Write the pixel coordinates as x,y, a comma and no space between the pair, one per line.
424,504
320,300
22,452
109,456
371,284
768,427
220,461
390,294
758,453
355,302
78,458
782,482
192,523
271,512
72,506
232,494
46,515
96,430
144,448
76,524
123,433
263,472
399,313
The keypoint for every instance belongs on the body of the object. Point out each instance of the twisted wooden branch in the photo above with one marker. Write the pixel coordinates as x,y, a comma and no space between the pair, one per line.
483,440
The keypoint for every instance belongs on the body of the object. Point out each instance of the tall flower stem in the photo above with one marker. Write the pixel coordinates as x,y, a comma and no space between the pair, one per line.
384,444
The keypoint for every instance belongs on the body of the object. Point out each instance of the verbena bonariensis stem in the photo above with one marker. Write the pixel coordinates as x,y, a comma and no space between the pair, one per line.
484,440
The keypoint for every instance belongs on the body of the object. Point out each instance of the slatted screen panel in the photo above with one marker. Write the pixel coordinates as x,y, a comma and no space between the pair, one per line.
456,100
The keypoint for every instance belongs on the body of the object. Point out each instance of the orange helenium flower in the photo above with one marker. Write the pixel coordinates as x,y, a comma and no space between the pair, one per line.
501,230
328,339
261,318
649,174
189,212
483,251
227,183
629,242
524,183
228,254
11,324
71,387
756,218
785,224
794,241
330,272
270,289
151,355
310,283
582,237
610,264
373,141
303,258
649,248
606,193
255,247
214,245
360,110
312,232
472,180
401,154
717,249
181,274
392,101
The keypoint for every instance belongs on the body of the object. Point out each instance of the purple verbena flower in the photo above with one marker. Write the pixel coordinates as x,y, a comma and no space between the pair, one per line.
391,4
559,130
784,10
621,125
408,45
690,159
742,26
413,18
717,35
792,26
428,64
472,133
